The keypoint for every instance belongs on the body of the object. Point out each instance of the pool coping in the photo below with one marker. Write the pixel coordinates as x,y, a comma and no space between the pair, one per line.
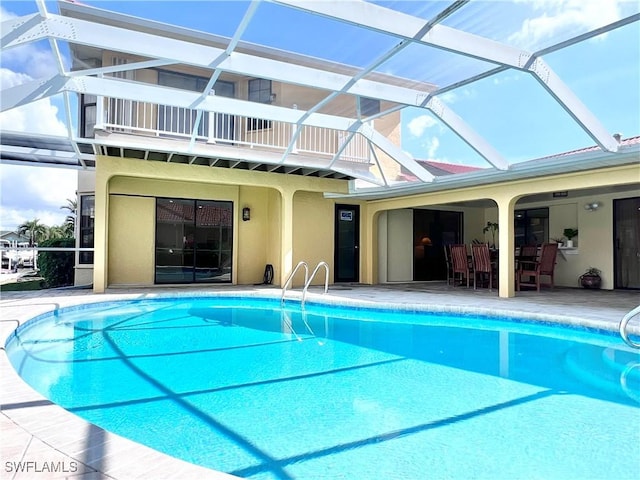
44,436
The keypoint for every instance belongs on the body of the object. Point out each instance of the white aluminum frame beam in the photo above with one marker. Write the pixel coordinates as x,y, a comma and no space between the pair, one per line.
19,31
467,134
244,23
118,88
388,21
109,37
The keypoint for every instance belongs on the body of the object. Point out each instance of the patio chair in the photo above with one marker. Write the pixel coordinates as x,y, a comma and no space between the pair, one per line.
447,259
460,263
533,270
527,253
483,267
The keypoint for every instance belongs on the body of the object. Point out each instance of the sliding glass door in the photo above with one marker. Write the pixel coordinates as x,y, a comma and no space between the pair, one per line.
626,230
194,240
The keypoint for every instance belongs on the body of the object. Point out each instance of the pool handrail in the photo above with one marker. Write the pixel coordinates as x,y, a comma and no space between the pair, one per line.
308,282
623,327
287,283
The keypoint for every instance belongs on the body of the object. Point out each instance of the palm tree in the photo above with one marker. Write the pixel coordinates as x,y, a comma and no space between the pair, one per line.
35,230
69,225
57,231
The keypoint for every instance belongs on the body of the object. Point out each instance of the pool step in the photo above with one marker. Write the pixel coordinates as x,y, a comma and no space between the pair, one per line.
613,370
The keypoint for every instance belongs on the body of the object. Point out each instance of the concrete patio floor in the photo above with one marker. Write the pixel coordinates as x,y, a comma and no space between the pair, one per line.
37,436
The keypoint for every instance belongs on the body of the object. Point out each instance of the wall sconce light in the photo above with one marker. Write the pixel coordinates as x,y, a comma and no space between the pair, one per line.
246,214
593,206
272,97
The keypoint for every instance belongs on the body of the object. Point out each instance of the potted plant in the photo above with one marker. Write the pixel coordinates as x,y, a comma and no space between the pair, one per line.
493,228
591,278
570,233
558,240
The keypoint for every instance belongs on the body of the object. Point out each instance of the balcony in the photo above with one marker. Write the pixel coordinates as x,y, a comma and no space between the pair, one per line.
267,140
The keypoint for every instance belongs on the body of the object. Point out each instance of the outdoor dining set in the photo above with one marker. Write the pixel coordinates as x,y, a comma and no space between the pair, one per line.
477,265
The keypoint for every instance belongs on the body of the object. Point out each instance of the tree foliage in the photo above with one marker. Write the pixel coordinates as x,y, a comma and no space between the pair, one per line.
57,267
70,220
34,229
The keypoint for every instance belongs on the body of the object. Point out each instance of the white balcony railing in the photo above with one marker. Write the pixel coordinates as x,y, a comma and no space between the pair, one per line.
129,116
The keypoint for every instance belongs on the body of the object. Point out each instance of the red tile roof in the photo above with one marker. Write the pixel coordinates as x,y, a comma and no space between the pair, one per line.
623,143
449,167
441,168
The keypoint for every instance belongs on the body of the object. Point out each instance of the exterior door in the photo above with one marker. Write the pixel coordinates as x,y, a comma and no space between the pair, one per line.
626,231
432,230
347,240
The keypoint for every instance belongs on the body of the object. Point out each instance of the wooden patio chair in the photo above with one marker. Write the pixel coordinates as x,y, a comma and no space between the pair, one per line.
533,270
460,263
483,267
447,259
528,253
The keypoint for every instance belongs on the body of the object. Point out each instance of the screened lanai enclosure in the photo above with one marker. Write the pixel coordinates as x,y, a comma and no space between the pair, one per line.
402,103
359,61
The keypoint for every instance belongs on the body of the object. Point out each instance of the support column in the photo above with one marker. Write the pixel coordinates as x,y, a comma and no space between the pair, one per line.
100,231
506,240
368,244
286,234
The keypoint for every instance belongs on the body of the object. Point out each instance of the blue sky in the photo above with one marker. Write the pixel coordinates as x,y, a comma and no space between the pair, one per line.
511,110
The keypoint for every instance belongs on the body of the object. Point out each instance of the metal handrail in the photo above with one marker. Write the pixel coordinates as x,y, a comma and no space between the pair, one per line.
287,322
623,327
326,280
291,275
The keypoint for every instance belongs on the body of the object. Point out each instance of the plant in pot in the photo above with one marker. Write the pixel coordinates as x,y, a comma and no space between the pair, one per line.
493,228
591,278
570,233
558,240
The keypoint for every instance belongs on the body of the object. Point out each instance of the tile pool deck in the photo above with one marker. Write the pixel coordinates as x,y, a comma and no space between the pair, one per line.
37,436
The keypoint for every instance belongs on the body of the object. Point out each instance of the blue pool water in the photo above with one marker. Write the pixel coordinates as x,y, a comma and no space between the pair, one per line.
243,386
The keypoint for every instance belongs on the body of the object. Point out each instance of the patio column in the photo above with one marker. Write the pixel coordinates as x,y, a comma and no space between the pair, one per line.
506,240
286,234
101,230
368,244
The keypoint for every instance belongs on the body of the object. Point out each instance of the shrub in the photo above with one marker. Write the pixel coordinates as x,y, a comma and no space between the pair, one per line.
57,267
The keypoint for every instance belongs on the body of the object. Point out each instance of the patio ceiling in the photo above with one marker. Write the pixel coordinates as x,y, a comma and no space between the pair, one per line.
407,54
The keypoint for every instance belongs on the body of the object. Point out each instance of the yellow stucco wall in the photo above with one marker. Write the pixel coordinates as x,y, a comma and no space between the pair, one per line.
131,238
291,220
125,211
313,233
594,226
254,245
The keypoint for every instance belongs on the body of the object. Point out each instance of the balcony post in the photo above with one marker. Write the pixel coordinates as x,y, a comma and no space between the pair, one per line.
294,138
100,120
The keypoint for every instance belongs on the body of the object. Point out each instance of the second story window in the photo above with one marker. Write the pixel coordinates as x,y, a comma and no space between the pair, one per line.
369,106
260,92
85,229
87,115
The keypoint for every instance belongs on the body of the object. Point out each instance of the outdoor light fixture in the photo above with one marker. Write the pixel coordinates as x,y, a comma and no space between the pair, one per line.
593,206
246,214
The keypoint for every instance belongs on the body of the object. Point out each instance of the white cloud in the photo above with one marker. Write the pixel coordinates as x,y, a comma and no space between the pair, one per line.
499,80
36,117
29,192
33,59
556,16
453,96
418,125
432,147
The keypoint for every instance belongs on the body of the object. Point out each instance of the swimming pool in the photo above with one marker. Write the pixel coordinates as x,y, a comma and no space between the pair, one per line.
239,385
